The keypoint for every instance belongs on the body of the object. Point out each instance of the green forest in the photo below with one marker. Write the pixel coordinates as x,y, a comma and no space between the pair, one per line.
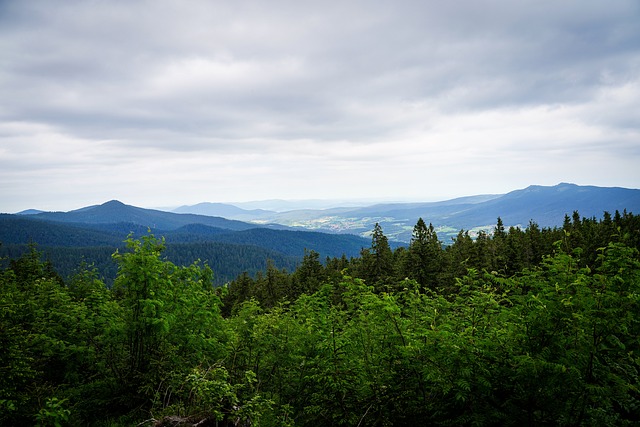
522,326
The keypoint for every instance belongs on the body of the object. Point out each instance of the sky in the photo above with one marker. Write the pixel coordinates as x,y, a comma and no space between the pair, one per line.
167,103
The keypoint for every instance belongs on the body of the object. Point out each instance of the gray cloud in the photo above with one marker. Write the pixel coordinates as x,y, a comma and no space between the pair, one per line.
295,99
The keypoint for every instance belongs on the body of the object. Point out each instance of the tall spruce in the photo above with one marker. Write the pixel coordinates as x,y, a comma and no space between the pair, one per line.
424,255
376,265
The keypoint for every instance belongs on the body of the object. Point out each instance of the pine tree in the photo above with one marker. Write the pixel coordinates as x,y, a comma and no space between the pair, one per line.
376,265
498,231
424,259
309,275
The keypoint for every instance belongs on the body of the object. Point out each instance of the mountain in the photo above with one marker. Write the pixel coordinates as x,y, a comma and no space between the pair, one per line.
93,233
29,212
224,210
117,212
104,224
110,223
545,205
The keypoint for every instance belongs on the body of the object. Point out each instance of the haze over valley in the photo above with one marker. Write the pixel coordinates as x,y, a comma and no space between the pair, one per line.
545,206
283,237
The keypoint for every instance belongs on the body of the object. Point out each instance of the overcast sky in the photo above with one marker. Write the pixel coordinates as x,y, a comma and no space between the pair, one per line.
165,103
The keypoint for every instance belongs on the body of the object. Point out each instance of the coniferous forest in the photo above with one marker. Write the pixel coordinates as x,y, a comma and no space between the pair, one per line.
522,326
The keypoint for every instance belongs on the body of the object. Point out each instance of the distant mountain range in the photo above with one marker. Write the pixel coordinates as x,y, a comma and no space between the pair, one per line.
234,239
546,206
230,247
117,212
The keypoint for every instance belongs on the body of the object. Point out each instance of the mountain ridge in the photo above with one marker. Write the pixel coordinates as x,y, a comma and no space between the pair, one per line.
545,205
234,245
115,211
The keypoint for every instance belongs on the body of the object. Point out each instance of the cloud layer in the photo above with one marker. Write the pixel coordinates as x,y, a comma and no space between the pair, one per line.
162,103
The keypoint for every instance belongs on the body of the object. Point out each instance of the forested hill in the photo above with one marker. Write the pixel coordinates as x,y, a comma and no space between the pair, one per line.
548,205
118,212
230,248
106,225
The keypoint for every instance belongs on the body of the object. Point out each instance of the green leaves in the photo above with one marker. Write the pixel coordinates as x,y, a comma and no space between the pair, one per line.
556,344
53,414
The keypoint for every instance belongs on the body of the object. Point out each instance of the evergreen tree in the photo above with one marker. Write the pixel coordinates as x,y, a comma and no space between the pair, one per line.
499,248
458,257
376,263
309,275
272,287
239,290
498,231
424,258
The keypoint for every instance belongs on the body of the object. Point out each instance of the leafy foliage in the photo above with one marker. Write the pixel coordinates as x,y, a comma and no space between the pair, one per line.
522,327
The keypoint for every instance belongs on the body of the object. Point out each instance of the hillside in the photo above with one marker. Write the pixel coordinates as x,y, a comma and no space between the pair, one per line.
16,229
117,212
230,247
109,223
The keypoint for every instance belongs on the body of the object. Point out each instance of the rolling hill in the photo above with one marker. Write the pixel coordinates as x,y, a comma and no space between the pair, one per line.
231,247
94,232
115,211
545,205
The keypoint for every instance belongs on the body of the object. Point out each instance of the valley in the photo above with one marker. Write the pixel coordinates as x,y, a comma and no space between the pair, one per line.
544,205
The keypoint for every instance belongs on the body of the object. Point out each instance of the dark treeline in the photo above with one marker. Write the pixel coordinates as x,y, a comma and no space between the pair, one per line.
436,266
518,327
226,259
